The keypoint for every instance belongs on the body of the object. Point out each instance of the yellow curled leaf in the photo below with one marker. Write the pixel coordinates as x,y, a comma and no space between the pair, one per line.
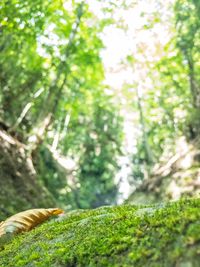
26,220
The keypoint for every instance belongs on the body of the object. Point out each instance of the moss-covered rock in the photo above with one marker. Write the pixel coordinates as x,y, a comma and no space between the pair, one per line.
167,234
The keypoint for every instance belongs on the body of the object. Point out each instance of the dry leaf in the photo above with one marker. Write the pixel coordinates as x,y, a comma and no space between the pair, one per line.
26,220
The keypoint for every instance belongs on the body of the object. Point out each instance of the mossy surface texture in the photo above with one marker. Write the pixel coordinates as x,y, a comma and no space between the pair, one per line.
161,235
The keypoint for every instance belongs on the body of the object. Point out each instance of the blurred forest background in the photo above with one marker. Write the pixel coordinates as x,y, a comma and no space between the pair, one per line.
88,118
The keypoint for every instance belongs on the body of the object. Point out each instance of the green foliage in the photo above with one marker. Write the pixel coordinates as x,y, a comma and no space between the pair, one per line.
188,42
170,101
40,50
113,236
98,163
51,68
53,177
51,76
93,141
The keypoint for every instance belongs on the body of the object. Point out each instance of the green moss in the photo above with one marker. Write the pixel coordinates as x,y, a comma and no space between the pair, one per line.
160,235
